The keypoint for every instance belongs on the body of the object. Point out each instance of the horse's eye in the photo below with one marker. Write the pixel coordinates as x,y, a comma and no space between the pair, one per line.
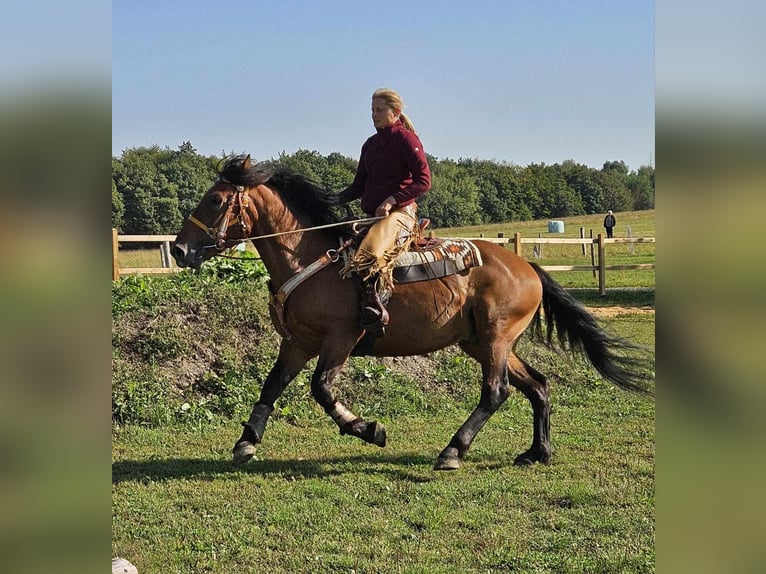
216,202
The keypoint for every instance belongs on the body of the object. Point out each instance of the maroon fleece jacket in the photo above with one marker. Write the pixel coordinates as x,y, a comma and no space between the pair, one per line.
392,163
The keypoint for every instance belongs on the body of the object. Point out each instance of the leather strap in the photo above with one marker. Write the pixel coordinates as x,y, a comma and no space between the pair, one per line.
279,299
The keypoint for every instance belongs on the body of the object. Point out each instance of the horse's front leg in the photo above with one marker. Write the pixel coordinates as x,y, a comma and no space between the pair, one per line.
290,361
328,366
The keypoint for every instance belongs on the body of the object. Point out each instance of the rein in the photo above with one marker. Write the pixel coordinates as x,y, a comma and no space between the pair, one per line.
241,201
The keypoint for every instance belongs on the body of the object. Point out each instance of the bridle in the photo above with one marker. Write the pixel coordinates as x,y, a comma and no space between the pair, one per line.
236,206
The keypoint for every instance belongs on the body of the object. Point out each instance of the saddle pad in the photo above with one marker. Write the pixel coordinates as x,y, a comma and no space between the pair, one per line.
436,259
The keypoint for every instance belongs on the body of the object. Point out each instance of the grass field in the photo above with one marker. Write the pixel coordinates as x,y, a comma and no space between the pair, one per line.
315,501
319,502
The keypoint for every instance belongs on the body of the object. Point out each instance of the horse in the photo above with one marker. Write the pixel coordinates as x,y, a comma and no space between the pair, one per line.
485,309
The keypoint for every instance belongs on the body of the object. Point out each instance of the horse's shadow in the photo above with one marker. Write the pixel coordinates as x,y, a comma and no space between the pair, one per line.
407,467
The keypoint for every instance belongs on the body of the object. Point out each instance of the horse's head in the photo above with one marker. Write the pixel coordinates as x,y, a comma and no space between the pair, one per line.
222,218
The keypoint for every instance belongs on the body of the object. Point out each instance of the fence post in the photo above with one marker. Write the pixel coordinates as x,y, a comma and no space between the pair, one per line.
601,266
115,252
592,255
165,252
582,236
517,243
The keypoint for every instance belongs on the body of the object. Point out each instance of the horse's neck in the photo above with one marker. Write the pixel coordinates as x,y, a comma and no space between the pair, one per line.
290,253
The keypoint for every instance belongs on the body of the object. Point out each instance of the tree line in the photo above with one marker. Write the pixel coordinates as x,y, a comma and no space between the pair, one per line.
154,189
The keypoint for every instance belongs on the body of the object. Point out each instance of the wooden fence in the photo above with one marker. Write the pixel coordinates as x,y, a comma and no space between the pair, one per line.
598,255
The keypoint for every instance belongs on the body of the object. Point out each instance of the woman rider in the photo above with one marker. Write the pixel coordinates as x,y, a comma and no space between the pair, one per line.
393,171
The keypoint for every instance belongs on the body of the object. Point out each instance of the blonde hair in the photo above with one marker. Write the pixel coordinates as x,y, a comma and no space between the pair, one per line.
394,101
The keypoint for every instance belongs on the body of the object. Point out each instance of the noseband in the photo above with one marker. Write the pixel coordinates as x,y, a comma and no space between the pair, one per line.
236,212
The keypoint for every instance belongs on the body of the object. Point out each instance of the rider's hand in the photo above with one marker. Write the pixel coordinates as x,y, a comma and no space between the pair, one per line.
385,208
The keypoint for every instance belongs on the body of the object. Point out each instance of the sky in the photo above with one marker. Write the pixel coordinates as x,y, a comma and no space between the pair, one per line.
502,80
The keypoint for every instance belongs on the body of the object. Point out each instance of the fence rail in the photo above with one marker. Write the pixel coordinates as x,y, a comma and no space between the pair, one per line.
597,244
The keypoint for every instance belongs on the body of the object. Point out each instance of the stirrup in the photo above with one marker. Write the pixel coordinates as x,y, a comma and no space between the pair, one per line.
373,320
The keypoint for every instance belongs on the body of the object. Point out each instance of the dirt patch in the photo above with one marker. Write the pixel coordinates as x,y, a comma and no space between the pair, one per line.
420,368
615,311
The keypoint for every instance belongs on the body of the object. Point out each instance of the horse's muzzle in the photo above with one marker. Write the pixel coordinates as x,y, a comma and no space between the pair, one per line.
185,257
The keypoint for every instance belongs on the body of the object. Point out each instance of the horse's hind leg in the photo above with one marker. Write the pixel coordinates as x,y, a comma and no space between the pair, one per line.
328,366
495,389
290,361
534,386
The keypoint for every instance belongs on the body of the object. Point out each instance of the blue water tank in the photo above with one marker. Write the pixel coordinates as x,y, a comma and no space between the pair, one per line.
555,227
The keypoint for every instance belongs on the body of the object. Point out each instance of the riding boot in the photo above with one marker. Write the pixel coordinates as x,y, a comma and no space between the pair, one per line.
373,316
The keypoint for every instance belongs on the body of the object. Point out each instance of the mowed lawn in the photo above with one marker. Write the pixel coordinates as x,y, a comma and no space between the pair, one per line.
315,501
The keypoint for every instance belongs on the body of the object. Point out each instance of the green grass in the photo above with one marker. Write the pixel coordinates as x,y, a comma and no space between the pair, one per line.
315,501
140,257
642,224
318,502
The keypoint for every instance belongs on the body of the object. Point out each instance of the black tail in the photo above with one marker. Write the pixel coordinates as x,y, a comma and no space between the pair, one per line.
580,332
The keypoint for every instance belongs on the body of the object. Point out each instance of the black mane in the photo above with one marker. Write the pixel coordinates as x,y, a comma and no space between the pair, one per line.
300,193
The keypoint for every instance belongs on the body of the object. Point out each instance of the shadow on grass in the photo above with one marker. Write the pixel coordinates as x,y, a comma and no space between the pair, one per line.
634,297
408,467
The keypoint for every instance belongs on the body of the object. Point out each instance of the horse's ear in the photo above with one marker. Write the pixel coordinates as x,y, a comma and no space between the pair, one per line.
246,163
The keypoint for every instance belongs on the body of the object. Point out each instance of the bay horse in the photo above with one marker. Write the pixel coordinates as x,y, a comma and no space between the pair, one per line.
484,309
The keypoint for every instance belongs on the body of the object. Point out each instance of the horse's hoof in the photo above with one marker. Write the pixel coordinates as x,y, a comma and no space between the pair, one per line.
447,463
242,452
449,459
531,457
523,460
378,434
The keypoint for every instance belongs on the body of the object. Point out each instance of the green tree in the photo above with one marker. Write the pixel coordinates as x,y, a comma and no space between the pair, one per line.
189,174
585,182
118,206
158,188
500,195
453,199
135,182
549,193
339,172
306,162
616,167
617,197
641,186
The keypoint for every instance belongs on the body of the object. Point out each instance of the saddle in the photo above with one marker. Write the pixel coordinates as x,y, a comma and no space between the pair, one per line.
432,258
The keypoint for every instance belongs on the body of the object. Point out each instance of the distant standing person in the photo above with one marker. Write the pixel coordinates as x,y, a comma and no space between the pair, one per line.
609,222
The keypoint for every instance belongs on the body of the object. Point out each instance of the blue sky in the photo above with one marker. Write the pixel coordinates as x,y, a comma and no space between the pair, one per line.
517,81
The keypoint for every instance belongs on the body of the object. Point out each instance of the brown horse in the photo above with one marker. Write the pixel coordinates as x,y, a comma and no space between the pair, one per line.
484,309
